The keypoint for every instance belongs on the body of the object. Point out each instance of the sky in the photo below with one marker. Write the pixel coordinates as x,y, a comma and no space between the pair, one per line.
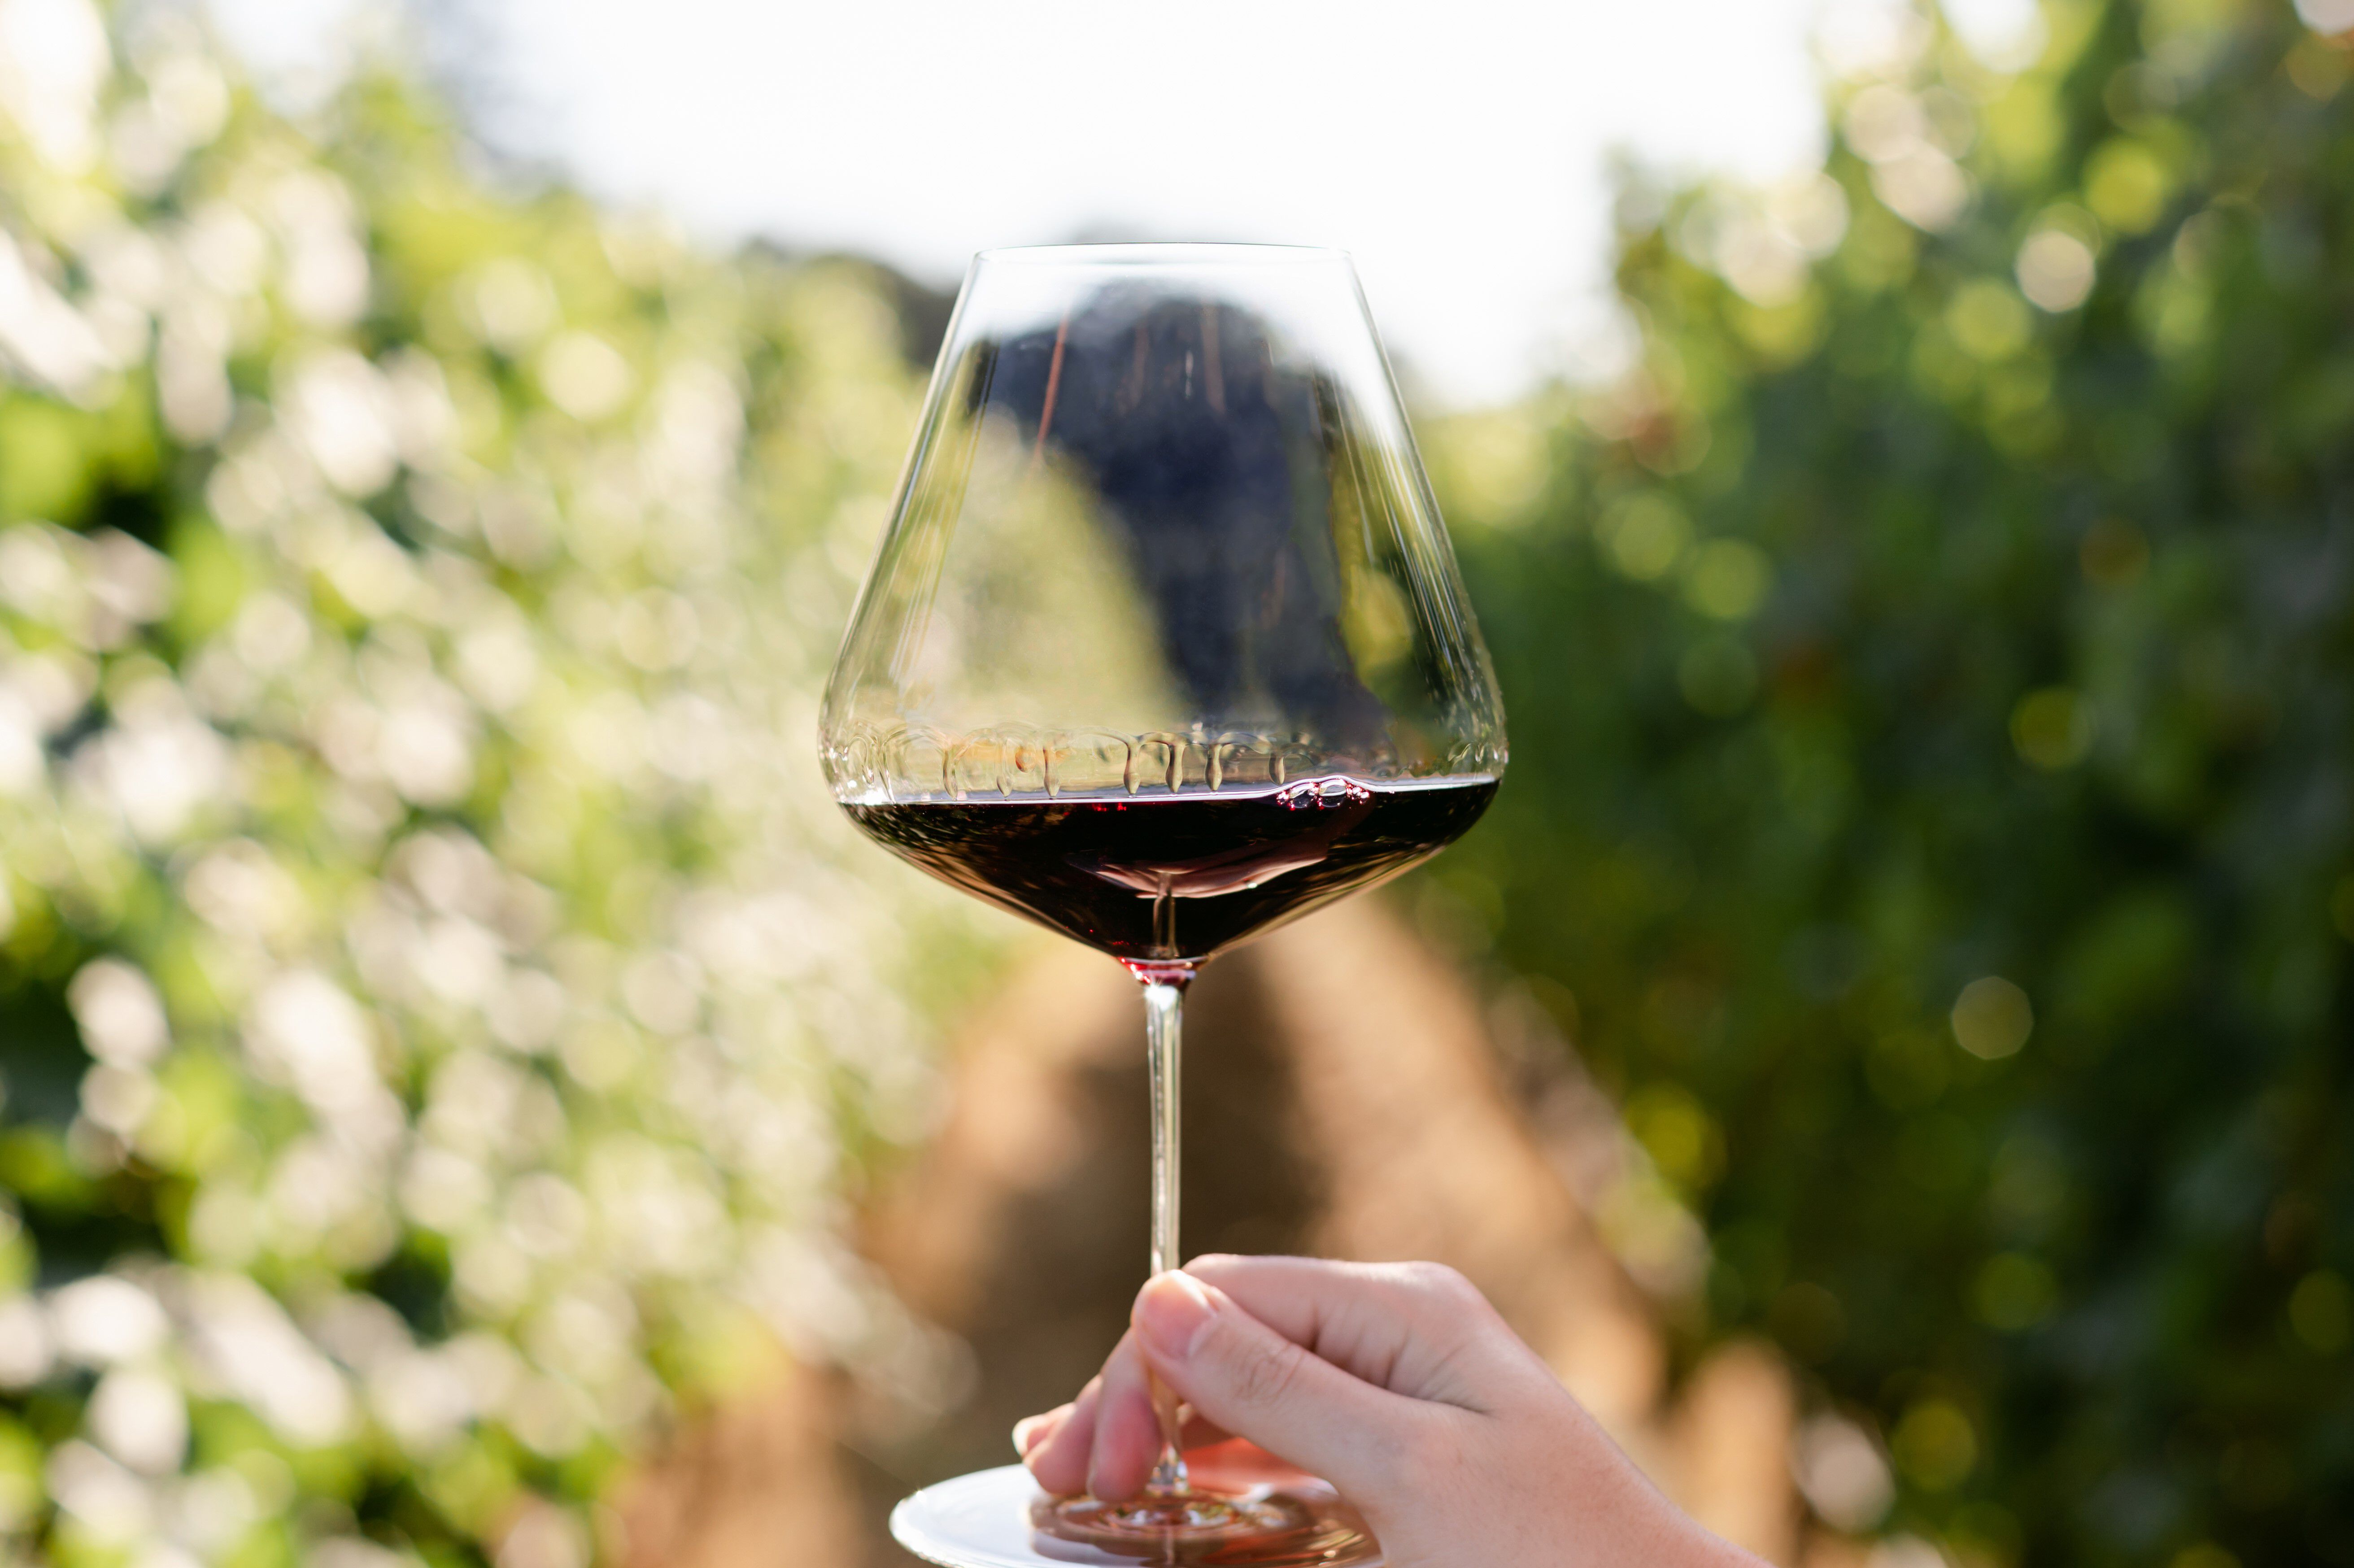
1462,153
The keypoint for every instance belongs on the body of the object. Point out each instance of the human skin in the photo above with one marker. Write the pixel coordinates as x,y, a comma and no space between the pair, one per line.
1399,1384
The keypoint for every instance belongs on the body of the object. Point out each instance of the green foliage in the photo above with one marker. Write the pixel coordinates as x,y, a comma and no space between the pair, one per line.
1929,673
435,1037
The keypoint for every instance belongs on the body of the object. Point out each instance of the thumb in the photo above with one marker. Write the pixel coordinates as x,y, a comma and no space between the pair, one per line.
1243,1375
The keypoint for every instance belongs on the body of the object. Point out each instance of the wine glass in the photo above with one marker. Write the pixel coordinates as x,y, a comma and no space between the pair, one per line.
1164,646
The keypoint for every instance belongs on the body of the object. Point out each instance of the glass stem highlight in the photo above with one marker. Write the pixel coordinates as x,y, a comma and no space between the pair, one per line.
1165,1007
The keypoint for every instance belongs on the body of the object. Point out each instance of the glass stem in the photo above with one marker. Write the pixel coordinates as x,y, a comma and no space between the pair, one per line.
1165,1007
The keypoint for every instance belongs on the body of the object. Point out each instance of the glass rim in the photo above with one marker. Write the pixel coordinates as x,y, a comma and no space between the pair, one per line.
1165,253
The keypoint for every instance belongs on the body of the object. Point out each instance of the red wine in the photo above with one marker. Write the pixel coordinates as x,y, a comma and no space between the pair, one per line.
1164,878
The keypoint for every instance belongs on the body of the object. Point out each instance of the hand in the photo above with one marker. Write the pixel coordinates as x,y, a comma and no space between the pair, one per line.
1399,1384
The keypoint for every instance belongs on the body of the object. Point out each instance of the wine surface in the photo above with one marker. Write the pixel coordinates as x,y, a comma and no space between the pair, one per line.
1166,877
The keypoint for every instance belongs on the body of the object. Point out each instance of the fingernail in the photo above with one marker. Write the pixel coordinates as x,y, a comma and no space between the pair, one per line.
1027,1431
1173,1311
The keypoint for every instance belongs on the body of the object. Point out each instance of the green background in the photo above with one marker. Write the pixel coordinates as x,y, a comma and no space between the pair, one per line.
1929,681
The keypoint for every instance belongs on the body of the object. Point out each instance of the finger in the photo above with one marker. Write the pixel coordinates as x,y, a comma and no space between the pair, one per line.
1415,1328
1258,1385
1058,1445
1201,1432
1128,1429
1058,1461
1033,1430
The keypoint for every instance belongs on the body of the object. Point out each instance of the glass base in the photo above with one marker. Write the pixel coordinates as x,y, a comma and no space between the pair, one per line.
1246,1513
